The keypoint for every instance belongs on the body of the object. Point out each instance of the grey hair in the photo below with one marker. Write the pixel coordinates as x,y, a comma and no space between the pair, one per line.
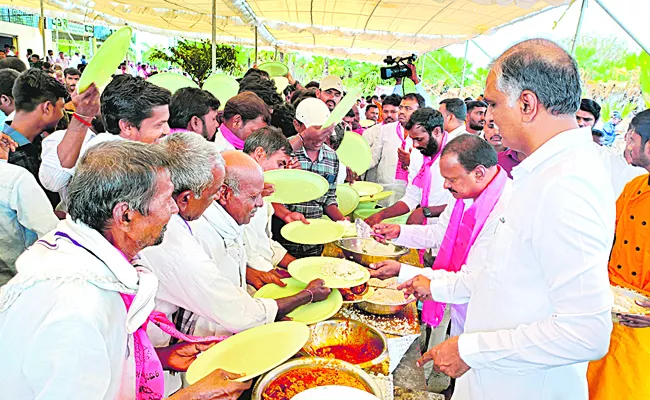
191,159
546,69
110,173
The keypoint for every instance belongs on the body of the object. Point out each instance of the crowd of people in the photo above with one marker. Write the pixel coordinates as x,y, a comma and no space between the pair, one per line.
134,227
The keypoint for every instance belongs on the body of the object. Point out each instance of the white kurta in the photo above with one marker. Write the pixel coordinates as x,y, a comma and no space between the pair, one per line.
539,309
438,195
221,289
384,142
64,329
262,252
431,237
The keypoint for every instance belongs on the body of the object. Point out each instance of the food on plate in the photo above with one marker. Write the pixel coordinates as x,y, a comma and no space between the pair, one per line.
625,301
390,283
294,381
354,293
377,249
342,270
389,297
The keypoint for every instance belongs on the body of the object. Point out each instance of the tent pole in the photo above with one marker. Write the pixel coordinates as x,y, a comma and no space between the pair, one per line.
481,48
644,46
462,82
575,38
214,36
256,45
443,69
42,26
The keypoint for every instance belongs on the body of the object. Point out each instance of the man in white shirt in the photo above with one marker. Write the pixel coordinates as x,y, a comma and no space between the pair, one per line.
75,60
142,118
391,145
454,111
66,331
221,301
425,186
540,307
62,60
475,120
271,150
242,115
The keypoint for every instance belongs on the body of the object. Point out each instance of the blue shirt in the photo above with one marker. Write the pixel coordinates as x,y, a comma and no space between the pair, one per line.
609,130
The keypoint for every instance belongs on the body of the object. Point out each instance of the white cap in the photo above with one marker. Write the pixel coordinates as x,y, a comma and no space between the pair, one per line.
331,82
311,112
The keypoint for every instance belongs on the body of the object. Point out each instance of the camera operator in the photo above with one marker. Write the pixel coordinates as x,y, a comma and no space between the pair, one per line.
418,85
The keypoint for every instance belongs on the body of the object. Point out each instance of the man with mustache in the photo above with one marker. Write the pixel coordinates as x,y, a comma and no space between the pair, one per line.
425,186
454,111
493,136
330,91
391,145
476,117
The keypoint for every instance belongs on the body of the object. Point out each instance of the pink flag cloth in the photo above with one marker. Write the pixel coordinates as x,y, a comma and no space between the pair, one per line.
423,178
401,174
462,231
231,138
150,382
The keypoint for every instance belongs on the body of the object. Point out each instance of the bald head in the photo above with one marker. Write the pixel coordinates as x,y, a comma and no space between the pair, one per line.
544,68
242,191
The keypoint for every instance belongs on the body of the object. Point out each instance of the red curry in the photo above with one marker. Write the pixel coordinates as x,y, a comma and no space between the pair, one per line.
292,382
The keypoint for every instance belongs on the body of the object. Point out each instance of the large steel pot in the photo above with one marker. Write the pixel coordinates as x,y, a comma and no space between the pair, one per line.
351,369
345,332
353,249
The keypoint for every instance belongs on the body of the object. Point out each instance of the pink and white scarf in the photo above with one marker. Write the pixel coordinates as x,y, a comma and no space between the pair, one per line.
231,137
423,178
462,231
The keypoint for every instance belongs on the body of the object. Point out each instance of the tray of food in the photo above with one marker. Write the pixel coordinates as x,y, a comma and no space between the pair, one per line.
625,302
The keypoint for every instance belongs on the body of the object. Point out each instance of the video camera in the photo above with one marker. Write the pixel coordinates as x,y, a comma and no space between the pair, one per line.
397,67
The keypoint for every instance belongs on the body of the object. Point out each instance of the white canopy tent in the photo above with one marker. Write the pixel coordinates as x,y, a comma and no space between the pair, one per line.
356,29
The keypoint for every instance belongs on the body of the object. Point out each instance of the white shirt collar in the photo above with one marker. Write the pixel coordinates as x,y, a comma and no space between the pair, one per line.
555,145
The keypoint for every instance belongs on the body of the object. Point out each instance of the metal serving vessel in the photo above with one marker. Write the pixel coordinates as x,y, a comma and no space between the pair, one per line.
351,369
353,250
344,331
382,309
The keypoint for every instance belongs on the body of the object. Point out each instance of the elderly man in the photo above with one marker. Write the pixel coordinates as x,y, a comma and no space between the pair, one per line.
271,150
194,110
142,118
425,186
391,147
72,320
540,307
617,374
242,115
221,301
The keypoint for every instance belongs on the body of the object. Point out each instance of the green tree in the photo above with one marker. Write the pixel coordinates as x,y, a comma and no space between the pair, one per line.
195,58
147,59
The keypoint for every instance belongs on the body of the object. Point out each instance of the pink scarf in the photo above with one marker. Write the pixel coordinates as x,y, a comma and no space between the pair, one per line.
231,138
401,174
150,382
423,178
462,231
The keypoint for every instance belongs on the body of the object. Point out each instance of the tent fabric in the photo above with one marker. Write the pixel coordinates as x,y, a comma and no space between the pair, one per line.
356,29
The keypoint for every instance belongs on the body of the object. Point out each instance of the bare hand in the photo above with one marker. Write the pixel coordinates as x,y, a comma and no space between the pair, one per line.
385,269
219,385
7,145
268,190
87,103
389,231
374,219
257,279
320,292
351,176
636,321
404,157
446,359
178,357
417,217
295,216
420,287
414,73
294,163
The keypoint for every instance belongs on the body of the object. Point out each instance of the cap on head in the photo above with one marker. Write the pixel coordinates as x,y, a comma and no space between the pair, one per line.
616,114
331,82
312,112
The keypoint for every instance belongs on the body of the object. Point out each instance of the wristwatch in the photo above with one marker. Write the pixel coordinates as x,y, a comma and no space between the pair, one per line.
427,213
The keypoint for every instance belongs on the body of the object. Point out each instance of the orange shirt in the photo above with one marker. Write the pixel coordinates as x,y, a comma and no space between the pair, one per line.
629,263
